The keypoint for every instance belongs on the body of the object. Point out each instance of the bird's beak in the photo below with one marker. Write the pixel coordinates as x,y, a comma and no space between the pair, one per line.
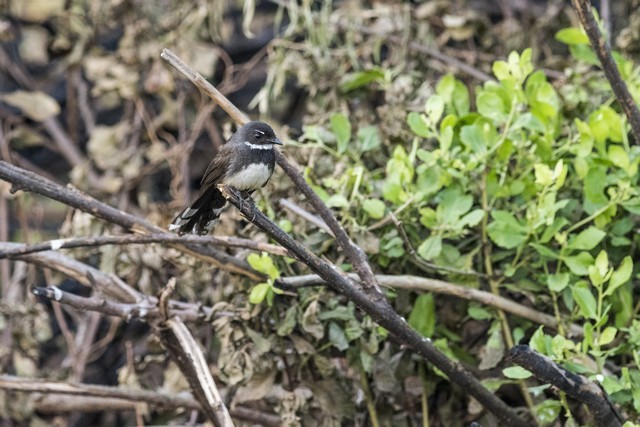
277,141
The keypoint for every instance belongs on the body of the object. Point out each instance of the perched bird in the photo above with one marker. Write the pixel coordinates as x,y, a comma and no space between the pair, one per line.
245,162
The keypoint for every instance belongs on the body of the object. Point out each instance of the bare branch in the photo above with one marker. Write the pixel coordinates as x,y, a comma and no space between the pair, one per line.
123,398
29,181
186,353
129,300
424,284
137,239
307,216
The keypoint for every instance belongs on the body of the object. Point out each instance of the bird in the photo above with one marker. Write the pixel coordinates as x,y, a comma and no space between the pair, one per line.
245,162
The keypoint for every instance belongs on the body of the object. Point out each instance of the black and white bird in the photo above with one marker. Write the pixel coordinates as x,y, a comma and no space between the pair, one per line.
245,162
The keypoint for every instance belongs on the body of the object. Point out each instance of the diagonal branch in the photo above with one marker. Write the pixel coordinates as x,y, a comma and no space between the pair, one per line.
379,310
576,386
611,72
356,255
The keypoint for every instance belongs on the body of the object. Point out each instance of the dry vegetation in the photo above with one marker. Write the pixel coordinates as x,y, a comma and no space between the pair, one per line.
473,150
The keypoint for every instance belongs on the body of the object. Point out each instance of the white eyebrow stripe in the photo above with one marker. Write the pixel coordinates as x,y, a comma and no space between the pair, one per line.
259,146
260,132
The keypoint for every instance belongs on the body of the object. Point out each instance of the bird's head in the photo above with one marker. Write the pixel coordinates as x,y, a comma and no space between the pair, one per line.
257,135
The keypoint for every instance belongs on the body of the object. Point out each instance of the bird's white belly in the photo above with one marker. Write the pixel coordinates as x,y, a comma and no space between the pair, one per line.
252,177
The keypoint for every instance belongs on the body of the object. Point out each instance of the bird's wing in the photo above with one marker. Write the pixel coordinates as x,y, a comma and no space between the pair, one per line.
216,169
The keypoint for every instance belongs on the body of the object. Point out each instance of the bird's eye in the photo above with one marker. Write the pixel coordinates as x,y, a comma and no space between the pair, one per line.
257,135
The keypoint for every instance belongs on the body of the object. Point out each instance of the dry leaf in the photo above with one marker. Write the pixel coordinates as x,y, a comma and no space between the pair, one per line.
37,105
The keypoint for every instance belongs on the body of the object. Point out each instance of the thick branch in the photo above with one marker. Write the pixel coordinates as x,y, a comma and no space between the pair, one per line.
378,309
28,181
576,386
600,46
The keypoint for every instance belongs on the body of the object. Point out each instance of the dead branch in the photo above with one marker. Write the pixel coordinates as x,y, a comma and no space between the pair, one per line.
91,398
128,299
424,284
186,353
29,181
136,239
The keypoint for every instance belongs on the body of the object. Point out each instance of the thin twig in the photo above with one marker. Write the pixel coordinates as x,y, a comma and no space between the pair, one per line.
129,239
611,72
425,265
432,52
424,284
379,309
306,215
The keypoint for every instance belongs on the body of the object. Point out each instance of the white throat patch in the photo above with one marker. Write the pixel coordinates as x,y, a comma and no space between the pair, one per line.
258,146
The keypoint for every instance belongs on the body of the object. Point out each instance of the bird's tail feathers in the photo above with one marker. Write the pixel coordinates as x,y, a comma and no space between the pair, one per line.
201,215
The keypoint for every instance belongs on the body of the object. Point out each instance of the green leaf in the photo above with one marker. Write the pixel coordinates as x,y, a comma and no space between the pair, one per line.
259,293
431,247
453,204
423,315
505,230
491,105
471,219
374,208
516,373
361,78
369,138
544,250
632,205
289,322
341,128
620,276
434,107
543,174
607,335
579,264
572,36
547,411
479,313
557,282
619,157
337,337
586,301
264,264
418,125
473,138
587,239
337,201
